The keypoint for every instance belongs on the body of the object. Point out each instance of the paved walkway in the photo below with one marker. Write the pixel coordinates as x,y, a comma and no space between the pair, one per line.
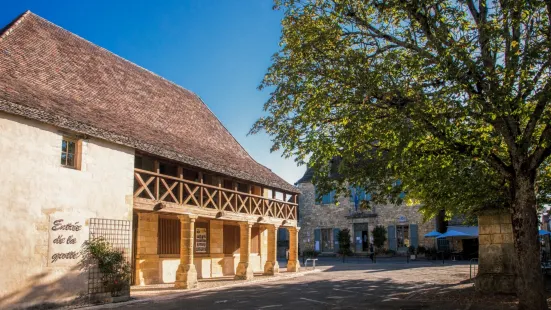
357,284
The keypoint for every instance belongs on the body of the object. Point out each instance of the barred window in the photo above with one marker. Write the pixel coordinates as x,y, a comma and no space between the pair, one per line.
169,236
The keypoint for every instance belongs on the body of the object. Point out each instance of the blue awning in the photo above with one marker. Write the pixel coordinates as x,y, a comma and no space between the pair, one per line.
433,234
544,232
455,234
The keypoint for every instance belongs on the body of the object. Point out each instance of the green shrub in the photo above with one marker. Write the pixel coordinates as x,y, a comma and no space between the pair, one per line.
114,268
421,250
344,242
379,236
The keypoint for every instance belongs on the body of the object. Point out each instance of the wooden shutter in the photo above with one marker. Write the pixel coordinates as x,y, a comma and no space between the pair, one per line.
391,231
169,236
255,240
336,240
317,239
231,239
413,237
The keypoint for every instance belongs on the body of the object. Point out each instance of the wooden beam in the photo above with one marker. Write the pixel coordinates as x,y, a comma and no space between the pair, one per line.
144,204
219,193
157,168
181,185
201,180
141,171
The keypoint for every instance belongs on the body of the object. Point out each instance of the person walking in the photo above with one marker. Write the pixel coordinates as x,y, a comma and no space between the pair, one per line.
371,253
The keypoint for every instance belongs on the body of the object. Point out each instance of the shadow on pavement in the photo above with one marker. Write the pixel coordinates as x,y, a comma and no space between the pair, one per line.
348,286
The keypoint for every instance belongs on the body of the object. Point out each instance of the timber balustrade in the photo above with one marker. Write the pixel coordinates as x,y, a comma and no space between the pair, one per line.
160,187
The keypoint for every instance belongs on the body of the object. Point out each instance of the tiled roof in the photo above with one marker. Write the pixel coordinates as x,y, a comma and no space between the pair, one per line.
51,75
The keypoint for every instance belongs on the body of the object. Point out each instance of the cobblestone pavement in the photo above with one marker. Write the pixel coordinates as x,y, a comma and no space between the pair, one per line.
388,284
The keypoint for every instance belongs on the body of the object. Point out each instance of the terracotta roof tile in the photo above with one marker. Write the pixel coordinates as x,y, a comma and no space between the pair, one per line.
54,76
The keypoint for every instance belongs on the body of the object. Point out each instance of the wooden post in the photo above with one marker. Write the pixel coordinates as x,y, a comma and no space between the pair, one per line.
200,174
157,180
251,200
219,193
181,185
236,205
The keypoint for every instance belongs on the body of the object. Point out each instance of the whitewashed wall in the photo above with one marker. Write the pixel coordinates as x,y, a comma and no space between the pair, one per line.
34,187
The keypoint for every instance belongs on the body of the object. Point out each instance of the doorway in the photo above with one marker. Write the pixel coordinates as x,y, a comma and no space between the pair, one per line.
365,241
361,237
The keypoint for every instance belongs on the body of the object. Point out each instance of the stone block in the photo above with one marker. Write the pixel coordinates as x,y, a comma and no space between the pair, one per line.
484,220
495,229
508,238
506,228
497,238
485,239
506,218
244,271
484,229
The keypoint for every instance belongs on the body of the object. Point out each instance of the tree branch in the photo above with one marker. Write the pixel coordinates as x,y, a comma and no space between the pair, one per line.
543,150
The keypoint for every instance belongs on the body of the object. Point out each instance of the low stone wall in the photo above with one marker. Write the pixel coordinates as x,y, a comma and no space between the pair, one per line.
496,263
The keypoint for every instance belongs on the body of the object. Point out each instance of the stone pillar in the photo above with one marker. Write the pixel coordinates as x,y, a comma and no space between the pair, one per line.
272,267
186,275
293,264
216,246
147,259
496,269
244,269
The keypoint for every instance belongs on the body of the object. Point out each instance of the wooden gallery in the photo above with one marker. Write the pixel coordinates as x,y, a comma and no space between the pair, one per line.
96,146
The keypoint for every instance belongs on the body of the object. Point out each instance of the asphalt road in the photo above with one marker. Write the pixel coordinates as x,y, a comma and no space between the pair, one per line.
337,287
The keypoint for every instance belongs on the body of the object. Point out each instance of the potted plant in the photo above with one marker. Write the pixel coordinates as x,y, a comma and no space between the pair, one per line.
114,269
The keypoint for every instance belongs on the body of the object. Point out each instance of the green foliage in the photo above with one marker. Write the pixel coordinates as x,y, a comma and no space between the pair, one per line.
379,236
434,93
411,250
421,250
344,242
114,268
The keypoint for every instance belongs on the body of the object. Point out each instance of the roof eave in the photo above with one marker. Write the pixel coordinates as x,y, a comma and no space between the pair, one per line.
65,123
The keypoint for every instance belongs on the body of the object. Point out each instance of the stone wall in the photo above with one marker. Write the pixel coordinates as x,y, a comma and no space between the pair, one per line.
152,268
313,216
147,260
35,188
496,269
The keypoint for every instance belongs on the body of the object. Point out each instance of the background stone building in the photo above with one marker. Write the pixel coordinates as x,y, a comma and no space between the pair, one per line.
321,221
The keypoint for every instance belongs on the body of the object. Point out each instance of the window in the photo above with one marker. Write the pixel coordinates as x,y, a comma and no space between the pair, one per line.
70,153
169,236
325,199
201,237
402,235
231,239
327,240
328,198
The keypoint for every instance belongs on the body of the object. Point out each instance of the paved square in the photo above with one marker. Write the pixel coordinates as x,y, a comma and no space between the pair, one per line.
358,284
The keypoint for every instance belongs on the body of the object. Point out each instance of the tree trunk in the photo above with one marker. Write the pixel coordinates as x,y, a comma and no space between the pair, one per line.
530,285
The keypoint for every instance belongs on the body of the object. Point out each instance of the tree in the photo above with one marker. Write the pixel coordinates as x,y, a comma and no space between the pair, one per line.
344,243
379,236
449,97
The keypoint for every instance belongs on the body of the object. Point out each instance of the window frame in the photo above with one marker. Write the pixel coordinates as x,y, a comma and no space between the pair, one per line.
201,224
76,155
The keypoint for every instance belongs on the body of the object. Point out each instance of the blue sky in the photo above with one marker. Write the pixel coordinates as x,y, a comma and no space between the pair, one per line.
218,49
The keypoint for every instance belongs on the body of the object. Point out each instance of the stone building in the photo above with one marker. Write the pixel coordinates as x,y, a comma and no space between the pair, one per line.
96,146
321,221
